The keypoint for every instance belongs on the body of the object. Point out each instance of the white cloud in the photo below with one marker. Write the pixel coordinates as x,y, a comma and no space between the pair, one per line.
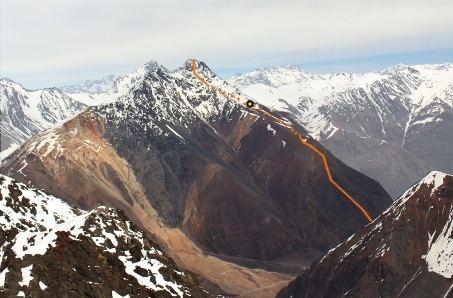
63,38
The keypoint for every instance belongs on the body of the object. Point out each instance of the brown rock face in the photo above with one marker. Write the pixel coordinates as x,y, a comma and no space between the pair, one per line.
194,160
406,252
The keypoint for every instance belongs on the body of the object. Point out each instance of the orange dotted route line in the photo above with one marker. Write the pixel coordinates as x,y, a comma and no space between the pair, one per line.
301,139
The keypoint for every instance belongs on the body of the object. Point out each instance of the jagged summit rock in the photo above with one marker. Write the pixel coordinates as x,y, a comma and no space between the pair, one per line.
149,66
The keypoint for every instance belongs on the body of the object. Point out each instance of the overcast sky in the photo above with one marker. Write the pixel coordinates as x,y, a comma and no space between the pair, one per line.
51,43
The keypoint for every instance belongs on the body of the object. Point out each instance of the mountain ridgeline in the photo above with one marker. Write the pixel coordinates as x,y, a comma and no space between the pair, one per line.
393,125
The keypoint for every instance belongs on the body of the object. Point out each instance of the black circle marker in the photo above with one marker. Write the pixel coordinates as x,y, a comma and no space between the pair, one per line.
250,103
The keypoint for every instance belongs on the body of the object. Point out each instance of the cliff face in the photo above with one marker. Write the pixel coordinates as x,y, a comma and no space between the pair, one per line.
406,252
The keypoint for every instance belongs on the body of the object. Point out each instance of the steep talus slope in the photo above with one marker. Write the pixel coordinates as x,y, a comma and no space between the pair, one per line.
49,249
25,112
393,125
177,156
405,252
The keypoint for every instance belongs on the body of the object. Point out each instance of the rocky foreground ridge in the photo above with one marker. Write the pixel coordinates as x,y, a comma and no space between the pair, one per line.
49,249
405,252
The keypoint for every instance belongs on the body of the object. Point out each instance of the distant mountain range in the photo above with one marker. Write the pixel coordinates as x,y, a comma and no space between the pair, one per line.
405,252
102,85
25,112
393,125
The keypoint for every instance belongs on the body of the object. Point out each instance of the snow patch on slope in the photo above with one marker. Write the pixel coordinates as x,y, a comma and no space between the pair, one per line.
26,276
433,180
269,128
439,257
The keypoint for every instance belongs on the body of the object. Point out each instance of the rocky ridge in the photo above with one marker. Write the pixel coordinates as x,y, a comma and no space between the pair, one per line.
405,252
49,249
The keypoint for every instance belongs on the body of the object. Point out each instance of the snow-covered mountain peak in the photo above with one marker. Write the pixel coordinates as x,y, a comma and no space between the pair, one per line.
394,68
433,180
430,200
419,70
125,83
273,77
291,66
10,83
440,66
101,85
201,67
173,97
148,67
47,106
108,89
